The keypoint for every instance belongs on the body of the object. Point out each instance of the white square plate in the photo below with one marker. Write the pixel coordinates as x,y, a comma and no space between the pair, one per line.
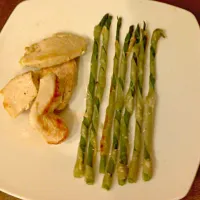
31,169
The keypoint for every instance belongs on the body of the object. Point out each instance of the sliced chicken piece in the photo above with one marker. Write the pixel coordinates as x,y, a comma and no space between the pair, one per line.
67,74
54,50
41,117
19,93
49,94
53,128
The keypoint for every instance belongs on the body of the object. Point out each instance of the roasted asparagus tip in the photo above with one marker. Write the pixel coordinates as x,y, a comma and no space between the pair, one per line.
104,19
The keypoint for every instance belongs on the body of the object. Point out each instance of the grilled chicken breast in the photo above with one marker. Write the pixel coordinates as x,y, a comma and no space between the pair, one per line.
53,128
54,50
42,117
67,75
19,93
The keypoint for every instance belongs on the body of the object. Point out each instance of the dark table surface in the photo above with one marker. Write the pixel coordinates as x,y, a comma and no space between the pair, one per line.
7,6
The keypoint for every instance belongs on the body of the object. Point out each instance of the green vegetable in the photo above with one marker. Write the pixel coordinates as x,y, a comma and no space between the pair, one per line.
99,91
149,108
105,139
134,164
107,181
79,168
122,167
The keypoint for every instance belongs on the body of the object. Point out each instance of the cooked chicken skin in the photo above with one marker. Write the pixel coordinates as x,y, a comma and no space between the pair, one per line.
67,74
19,93
54,50
41,117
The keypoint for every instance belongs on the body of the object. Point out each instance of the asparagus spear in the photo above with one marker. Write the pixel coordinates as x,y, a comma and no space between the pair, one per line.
122,168
107,180
99,90
105,139
149,108
79,168
134,164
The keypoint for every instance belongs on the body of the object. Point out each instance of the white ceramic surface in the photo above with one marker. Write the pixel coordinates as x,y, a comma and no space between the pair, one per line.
33,170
